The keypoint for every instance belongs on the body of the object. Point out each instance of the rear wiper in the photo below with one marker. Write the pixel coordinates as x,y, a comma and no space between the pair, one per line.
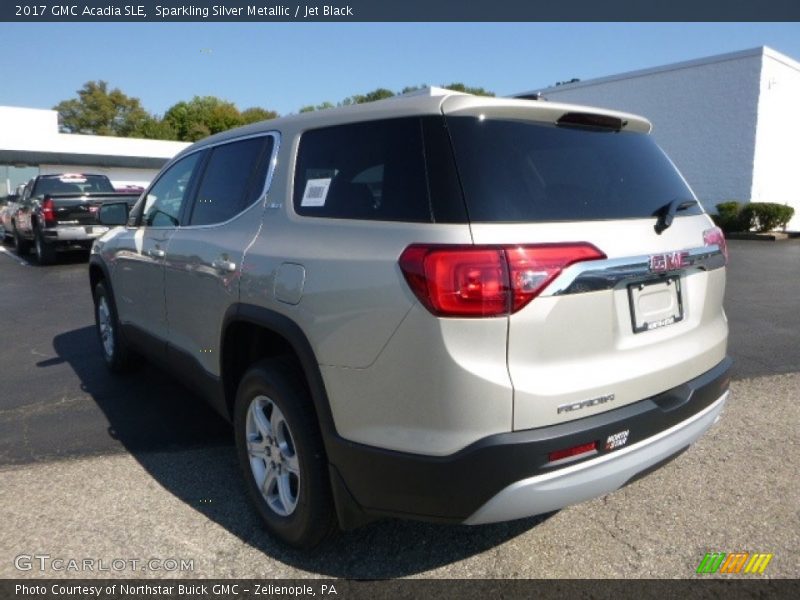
667,212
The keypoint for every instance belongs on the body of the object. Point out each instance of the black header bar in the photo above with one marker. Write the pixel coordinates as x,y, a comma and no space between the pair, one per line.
395,11
399,589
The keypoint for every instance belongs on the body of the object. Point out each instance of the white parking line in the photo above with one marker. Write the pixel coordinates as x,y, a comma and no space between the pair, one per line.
13,257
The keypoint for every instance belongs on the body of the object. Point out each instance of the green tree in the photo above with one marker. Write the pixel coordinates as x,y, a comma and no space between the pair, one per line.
312,108
153,128
100,111
201,117
377,94
255,114
460,87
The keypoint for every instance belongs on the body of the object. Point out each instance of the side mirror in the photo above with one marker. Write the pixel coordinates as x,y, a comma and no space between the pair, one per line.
113,214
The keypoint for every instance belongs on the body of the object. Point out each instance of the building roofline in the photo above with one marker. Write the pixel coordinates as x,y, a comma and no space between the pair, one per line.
688,64
781,58
47,157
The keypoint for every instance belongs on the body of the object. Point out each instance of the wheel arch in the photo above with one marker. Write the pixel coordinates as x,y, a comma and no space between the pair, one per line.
98,271
252,332
288,336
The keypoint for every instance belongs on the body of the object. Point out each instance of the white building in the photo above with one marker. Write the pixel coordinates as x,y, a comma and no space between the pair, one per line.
30,144
731,123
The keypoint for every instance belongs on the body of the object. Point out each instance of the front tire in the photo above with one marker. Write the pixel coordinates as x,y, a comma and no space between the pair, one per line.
281,454
116,353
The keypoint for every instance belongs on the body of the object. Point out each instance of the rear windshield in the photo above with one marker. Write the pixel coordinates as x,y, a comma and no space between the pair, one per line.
73,184
516,171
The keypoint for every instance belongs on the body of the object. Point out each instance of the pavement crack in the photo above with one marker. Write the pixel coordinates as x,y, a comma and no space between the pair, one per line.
616,530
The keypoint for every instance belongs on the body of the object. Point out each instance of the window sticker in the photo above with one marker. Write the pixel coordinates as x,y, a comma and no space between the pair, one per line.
316,192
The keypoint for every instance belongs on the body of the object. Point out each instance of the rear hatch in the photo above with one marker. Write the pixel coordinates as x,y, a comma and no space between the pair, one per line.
624,270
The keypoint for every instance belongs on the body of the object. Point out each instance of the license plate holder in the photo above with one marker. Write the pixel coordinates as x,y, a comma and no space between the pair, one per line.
655,303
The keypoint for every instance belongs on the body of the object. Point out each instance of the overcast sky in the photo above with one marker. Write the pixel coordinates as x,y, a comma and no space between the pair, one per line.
286,66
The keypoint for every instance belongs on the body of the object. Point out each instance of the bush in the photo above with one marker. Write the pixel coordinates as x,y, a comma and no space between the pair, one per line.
729,217
766,216
761,216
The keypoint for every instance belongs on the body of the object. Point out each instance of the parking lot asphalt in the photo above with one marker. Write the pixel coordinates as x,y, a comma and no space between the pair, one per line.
92,466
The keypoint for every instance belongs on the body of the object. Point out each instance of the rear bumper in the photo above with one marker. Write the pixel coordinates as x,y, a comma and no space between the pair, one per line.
77,233
596,477
509,476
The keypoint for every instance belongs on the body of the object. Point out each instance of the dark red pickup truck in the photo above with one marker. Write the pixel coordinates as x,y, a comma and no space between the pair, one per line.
59,212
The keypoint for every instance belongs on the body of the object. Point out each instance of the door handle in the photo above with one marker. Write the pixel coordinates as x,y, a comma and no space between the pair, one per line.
156,253
225,265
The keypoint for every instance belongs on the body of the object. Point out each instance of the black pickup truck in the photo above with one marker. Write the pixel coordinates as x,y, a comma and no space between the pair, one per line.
59,212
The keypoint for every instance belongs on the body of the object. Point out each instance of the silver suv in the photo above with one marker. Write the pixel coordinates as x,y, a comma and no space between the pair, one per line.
441,307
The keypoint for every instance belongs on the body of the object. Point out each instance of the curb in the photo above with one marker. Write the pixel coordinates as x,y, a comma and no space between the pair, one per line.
761,237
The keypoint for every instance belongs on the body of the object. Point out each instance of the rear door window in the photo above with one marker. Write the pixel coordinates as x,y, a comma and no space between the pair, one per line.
521,171
233,179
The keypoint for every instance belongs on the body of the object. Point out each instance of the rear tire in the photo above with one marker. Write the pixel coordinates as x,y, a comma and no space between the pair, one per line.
45,252
118,356
21,246
281,454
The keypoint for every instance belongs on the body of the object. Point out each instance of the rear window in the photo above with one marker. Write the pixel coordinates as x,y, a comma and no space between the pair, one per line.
373,171
73,184
518,171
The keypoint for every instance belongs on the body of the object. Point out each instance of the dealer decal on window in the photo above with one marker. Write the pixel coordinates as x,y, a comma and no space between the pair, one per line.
316,192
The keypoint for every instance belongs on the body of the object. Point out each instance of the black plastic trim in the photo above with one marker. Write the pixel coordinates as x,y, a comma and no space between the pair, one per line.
350,514
290,331
451,488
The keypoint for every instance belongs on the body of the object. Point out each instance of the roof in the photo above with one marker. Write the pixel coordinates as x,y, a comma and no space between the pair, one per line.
431,101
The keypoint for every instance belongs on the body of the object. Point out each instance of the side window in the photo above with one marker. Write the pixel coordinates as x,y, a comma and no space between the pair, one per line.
373,170
233,179
162,205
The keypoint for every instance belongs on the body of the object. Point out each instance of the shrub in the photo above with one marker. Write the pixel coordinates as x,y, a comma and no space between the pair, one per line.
766,216
729,217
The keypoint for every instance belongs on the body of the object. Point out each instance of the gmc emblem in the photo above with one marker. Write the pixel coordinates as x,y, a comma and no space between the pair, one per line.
668,262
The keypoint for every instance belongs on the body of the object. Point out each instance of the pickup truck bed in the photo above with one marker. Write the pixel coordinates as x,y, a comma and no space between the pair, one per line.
57,221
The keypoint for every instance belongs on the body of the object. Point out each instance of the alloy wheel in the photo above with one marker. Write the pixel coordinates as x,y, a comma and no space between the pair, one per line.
273,456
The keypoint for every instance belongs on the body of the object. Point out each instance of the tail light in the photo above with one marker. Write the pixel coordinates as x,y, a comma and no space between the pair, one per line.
486,281
715,237
48,212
